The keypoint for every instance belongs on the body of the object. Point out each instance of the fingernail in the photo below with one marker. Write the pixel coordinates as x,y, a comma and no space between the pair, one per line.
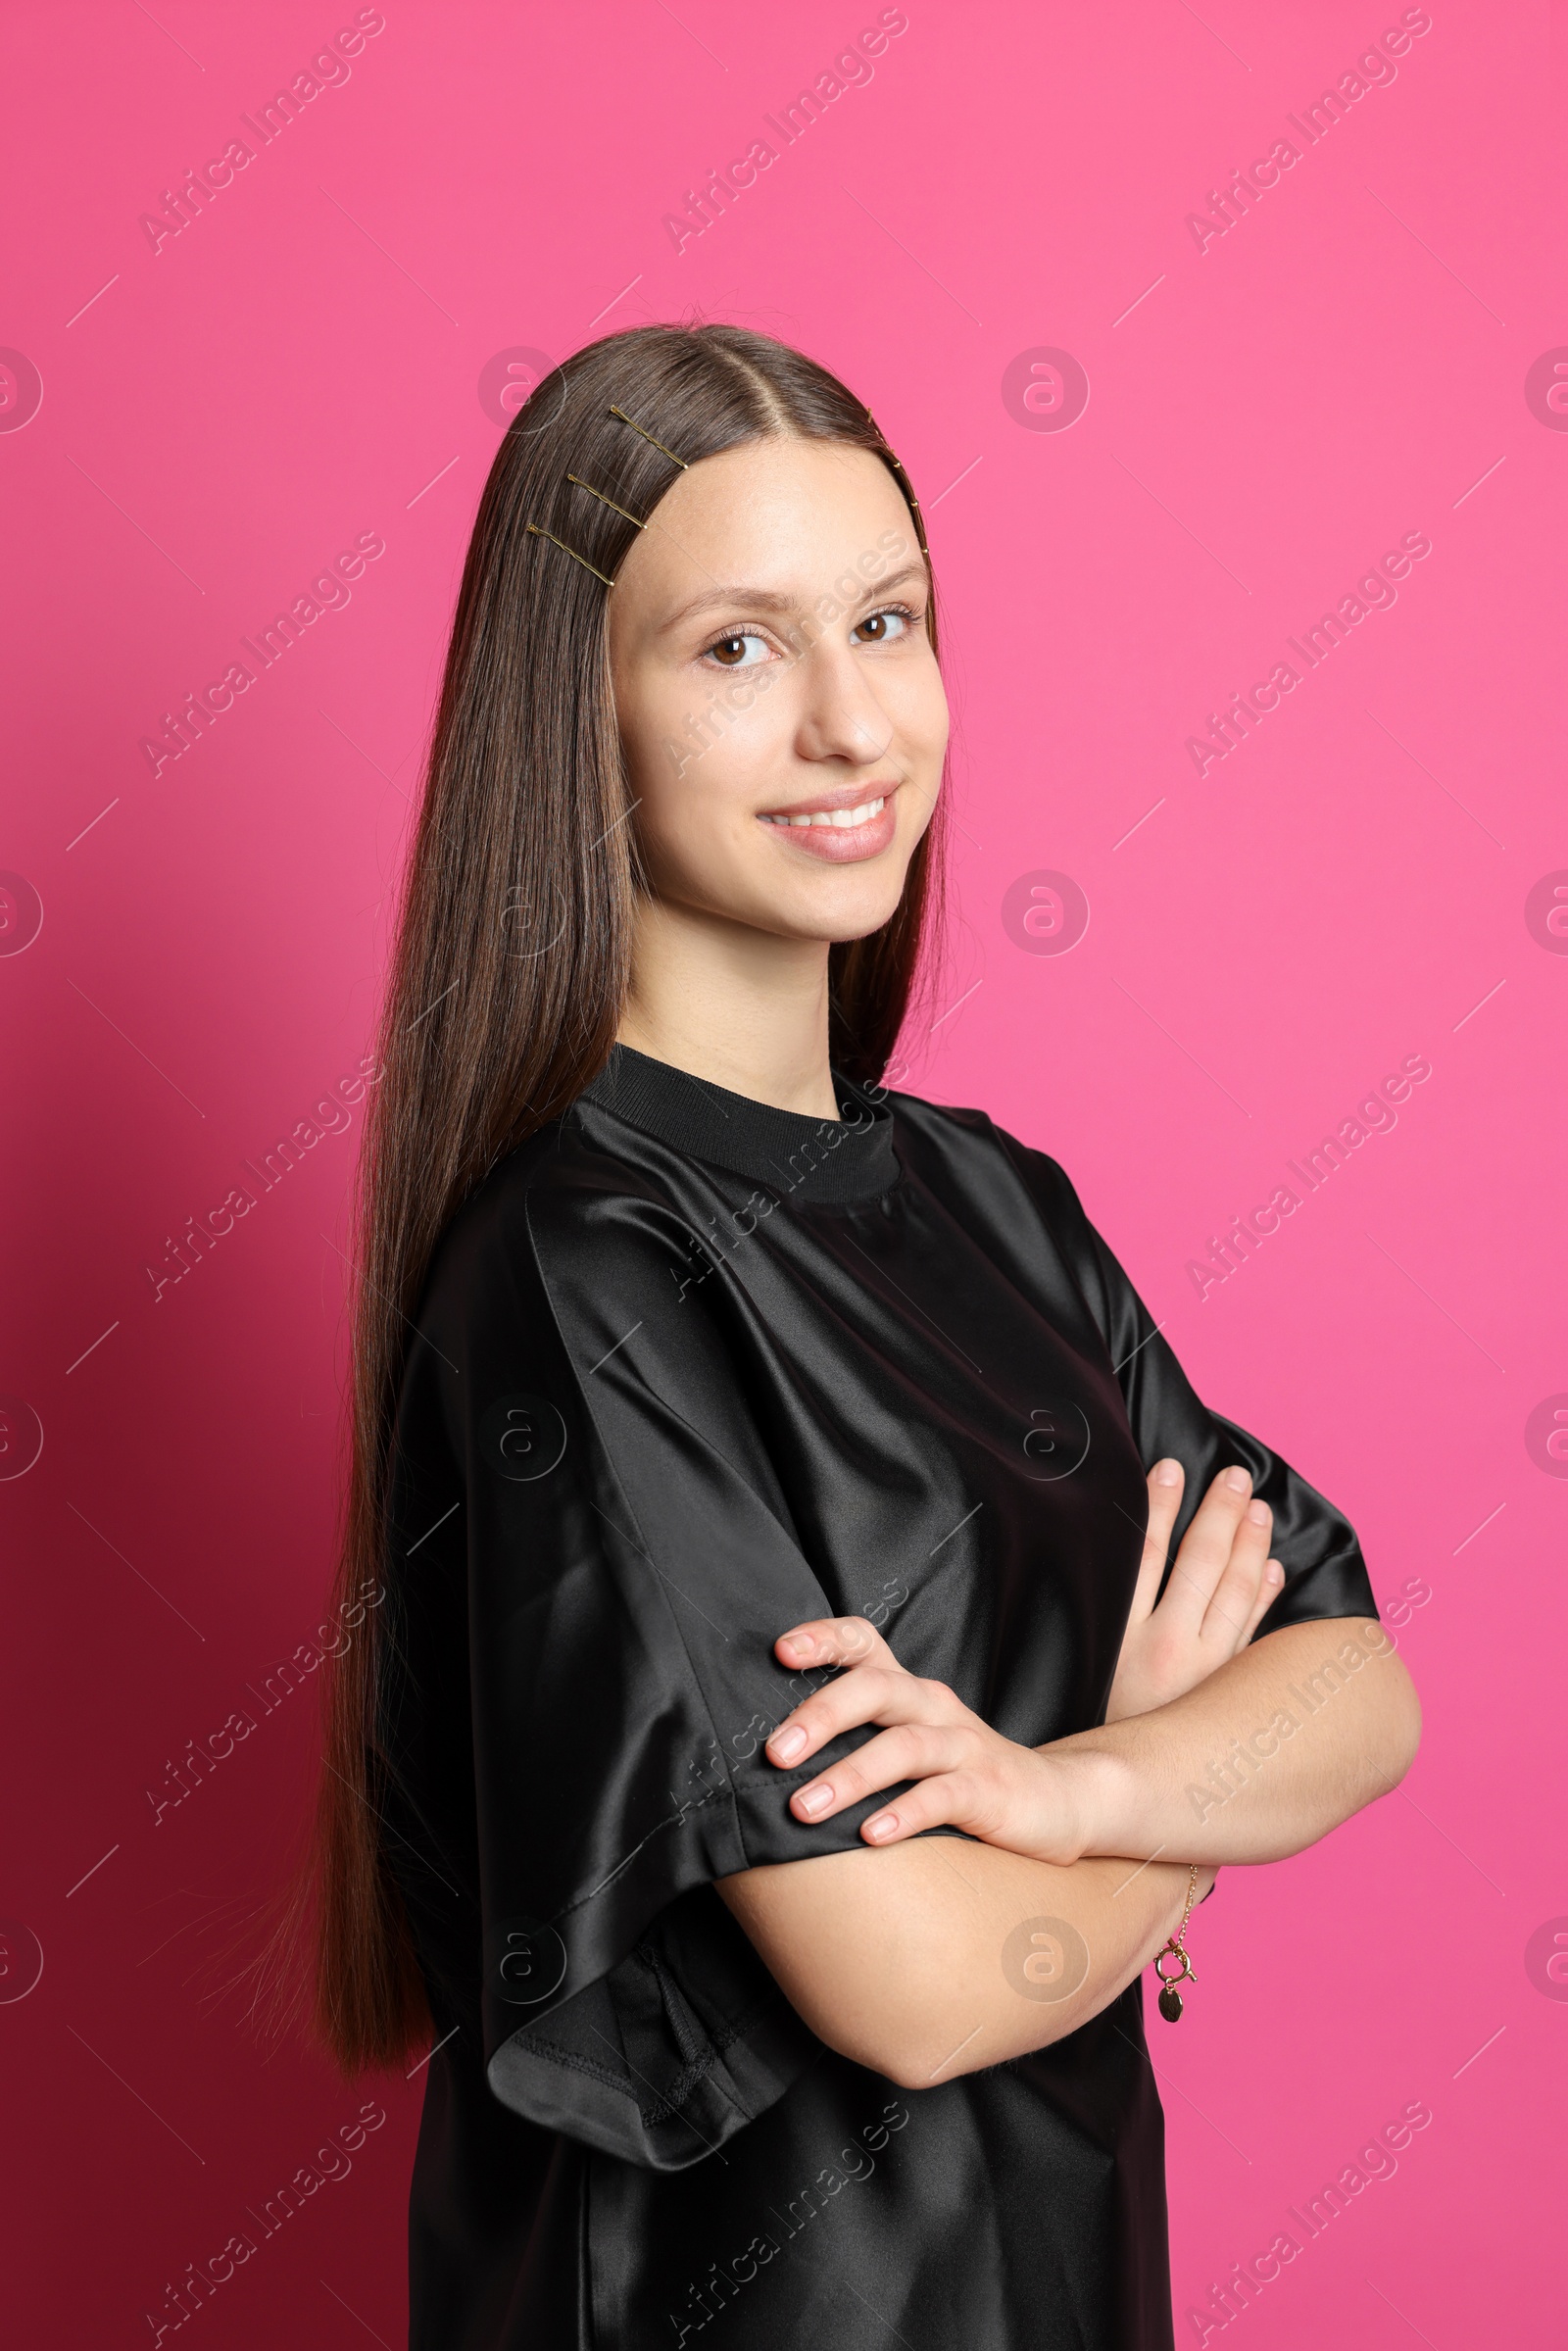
787,1744
883,1826
1258,1514
1238,1480
801,1645
1273,1573
815,1799
1168,1473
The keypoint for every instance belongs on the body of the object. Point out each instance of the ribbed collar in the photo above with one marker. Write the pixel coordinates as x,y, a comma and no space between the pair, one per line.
851,1158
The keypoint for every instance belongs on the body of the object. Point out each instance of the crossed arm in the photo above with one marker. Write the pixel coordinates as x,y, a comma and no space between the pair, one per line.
906,1956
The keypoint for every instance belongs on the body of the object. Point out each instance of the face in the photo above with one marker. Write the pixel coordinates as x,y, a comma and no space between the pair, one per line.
780,706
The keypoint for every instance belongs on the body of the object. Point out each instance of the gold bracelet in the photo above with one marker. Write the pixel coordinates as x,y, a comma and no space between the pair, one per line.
1170,1999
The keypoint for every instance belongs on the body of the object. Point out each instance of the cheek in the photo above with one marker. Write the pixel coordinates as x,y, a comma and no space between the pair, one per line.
703,731
938,720
917,708
915,699
698,765
657,704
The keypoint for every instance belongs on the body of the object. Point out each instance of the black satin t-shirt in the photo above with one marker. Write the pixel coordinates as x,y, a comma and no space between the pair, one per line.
687,1370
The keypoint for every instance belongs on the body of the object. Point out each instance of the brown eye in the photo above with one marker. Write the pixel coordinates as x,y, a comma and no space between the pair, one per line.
883,629
743,648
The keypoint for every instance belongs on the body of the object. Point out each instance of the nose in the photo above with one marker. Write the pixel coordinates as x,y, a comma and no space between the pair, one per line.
839,714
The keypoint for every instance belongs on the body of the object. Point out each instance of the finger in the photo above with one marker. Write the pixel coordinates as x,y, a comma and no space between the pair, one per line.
869,1694
1205,1548
943,1798
1270,1586
1165,1482
1236,1594
907,1751
833,1640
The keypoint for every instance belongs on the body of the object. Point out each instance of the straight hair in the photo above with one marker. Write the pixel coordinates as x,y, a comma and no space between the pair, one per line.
506,988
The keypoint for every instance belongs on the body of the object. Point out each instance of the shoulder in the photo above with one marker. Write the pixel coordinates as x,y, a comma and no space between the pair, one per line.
562,1171
563,1213
1012,1198
968,1140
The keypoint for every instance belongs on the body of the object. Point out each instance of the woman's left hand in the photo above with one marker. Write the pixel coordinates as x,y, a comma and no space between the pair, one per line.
966,1775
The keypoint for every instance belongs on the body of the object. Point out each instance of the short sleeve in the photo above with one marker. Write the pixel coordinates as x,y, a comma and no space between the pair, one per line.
1325,1573
629,1562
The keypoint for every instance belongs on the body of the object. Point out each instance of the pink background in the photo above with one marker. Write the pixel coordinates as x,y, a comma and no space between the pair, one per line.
301,365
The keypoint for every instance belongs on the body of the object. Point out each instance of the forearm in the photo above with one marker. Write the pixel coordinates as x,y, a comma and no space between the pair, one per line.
942,1957
1275,1749
914,1955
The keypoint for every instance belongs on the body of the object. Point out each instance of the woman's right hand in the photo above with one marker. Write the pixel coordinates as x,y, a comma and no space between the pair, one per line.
1221,1583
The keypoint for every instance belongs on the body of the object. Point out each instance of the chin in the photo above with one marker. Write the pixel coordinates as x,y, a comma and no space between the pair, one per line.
838,910
833,904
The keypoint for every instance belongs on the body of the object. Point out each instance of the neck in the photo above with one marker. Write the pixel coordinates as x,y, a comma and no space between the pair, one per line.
743,1008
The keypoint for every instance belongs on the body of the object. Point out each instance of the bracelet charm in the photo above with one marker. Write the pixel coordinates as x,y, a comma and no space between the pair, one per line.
1174,1949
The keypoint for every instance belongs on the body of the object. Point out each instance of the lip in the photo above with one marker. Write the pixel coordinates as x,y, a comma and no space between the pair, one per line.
836,843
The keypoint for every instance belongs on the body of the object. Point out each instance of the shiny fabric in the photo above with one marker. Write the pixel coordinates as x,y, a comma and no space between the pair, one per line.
687,1370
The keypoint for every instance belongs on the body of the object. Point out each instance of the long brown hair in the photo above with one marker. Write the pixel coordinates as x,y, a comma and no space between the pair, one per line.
510,969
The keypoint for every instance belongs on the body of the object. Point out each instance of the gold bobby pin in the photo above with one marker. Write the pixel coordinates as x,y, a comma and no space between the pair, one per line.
905,483
894,461
572,552
604,501
648,436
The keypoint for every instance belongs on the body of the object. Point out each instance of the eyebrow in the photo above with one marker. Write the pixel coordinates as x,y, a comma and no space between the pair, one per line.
769,599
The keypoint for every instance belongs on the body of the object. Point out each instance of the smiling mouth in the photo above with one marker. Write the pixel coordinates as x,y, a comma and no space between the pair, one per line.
841,818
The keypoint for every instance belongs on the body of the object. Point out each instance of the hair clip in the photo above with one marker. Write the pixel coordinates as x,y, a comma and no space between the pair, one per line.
572,552
905,483
648,436
604,501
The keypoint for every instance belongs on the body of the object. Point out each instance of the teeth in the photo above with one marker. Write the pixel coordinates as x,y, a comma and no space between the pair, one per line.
841,817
